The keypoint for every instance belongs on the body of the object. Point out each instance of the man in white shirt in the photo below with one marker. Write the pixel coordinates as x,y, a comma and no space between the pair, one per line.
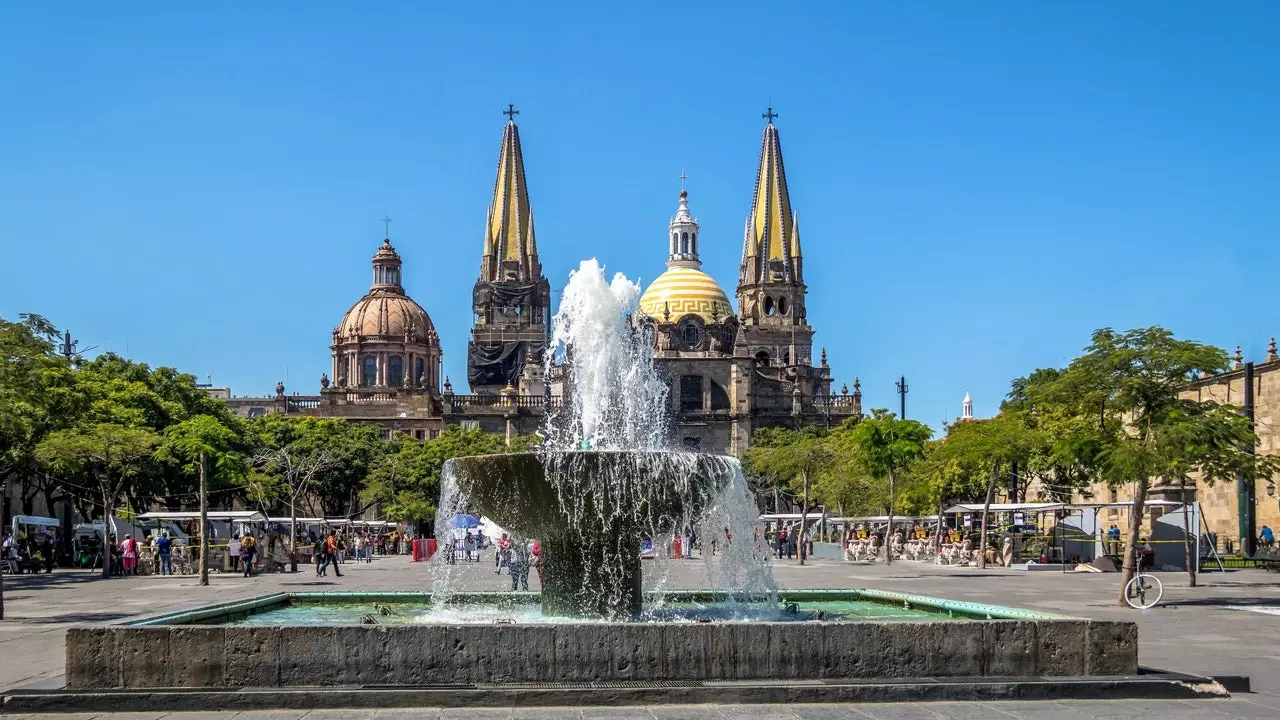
233,548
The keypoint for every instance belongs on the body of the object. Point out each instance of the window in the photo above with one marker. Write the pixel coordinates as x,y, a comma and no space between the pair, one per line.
420,434
435,434
417,370
768,306
692,443
684,243
782,306
395,371
368,371
692,335
690,393
762,358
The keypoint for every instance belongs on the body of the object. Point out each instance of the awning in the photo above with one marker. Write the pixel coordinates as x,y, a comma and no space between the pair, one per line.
1006,507
1122,504
246,516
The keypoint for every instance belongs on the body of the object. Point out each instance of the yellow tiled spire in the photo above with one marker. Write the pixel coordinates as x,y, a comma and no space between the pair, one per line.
772,235
509,244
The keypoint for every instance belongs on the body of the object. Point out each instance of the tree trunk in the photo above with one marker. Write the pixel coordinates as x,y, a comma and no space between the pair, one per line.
204,524
4,503
108,510
804,517
1188,542
888,534
986,508
1131,543
293,534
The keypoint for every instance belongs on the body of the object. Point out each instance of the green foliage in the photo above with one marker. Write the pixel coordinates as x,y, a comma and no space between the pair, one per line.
222,444
406,483
36,391
108,453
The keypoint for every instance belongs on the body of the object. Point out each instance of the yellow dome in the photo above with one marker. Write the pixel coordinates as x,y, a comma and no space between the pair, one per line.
387,315
685,290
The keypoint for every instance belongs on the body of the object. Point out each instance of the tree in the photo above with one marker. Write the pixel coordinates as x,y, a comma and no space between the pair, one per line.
890,446
109,453
198,445
797,455
406,482
1128,386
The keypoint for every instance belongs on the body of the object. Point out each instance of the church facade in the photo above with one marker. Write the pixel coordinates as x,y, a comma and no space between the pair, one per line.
730,370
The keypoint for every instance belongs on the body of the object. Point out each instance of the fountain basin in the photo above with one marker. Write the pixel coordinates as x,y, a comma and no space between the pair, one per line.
203,648
589,510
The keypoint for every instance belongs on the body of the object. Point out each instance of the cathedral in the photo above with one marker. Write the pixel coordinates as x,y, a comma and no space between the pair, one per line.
730,371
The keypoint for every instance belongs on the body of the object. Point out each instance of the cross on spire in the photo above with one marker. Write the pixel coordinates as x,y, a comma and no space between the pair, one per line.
511,112
386,226
769,115
683,177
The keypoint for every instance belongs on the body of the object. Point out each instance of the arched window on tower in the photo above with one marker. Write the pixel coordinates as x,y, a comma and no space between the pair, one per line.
368,370
417,371
675,242
693,243
684,243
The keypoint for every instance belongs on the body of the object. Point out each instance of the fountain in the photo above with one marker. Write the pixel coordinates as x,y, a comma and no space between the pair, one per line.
603,480
605,476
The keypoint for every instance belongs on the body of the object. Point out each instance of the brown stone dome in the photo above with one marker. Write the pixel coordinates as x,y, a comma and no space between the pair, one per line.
387,315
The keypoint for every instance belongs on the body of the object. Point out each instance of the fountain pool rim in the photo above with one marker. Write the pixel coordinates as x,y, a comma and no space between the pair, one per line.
946,610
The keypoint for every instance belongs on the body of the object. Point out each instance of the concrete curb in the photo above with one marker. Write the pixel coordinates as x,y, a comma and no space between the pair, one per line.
1150,686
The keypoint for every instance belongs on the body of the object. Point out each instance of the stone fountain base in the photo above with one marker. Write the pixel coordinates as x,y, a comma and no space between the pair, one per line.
184,651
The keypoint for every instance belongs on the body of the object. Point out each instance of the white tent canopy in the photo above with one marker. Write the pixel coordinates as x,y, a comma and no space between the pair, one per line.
1005,507
242,516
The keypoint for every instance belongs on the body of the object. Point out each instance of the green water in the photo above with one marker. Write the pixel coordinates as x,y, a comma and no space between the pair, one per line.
524,613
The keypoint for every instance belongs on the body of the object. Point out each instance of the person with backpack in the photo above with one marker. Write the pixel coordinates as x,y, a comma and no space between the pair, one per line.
248,551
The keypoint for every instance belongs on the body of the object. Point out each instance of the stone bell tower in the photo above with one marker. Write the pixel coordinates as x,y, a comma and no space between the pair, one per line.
511,299
771,289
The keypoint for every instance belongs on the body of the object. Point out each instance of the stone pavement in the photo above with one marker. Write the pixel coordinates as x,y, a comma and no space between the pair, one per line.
1228,626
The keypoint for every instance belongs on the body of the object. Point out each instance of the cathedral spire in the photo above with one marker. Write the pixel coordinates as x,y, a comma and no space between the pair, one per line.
510,250
771,248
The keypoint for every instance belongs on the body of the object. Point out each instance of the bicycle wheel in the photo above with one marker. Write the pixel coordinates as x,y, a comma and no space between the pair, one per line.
1143,592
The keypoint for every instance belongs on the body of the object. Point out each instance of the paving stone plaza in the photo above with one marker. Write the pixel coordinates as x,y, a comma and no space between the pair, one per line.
1229,626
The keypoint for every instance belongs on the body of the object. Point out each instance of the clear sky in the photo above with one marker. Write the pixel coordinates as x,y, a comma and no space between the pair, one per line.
980,184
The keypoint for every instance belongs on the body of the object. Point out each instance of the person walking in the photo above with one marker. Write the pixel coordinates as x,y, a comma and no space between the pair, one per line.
331,553
520,565
318,550
502,556
164,551
248,550
233,549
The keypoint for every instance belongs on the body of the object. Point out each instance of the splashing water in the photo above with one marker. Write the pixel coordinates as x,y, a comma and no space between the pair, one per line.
631,486
614,400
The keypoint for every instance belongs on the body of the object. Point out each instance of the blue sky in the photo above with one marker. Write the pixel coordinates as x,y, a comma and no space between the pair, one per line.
980,185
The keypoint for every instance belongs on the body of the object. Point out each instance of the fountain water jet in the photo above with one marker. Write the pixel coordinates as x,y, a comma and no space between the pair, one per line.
604,477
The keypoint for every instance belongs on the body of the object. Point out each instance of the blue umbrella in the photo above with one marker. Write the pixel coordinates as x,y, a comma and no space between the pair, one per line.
465,521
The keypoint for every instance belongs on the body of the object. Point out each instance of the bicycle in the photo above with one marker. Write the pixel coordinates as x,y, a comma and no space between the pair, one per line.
1143,591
